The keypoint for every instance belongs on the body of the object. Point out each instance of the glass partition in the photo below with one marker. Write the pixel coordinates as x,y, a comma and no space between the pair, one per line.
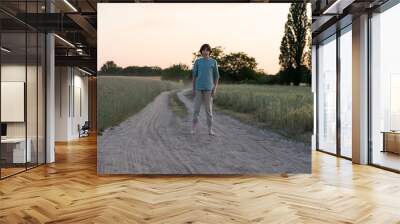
41,87
327,95
22,88
31,100
14,153
346,92
385,89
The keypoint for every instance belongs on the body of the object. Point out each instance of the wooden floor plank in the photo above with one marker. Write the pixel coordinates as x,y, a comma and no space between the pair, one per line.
70,191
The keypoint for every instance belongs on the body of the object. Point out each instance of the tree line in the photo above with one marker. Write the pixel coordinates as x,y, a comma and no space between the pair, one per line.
238,67
110,68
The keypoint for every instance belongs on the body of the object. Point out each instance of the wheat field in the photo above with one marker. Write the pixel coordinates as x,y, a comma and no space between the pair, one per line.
286,109
120,97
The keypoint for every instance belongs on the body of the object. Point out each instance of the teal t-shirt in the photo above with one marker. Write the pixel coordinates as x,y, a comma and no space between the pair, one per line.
205,72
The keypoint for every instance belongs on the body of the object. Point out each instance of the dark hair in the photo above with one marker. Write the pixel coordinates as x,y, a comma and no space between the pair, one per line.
204,47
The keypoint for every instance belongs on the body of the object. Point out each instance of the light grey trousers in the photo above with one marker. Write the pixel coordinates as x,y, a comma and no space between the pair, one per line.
203,97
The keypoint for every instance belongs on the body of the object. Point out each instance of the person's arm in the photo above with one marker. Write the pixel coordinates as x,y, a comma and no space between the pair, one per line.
194,75
216,78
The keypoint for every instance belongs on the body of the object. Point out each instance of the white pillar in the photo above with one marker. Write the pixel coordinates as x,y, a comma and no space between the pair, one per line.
50,98
50,92
63,99
360,90
314,92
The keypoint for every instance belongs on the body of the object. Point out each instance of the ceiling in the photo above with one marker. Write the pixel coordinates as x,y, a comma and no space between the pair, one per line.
74,22
332,15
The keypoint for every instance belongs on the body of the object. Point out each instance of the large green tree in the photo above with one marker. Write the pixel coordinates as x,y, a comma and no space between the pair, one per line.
295,51
238,67
110,67
216,52
233,67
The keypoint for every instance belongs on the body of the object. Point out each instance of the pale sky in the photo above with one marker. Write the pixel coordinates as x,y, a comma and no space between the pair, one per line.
162,34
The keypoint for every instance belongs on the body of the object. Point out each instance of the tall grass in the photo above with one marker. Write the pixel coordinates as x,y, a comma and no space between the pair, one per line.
119,97
176,105
287,109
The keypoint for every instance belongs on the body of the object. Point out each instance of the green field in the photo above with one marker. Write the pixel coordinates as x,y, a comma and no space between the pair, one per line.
286,109
120,97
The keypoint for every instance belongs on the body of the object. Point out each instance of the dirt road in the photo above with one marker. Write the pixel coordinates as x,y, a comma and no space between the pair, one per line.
156,141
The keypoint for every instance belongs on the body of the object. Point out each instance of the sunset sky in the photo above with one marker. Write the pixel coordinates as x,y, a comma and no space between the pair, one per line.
159,34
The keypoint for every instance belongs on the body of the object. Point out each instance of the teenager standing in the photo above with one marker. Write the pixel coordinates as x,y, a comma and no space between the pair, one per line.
205,81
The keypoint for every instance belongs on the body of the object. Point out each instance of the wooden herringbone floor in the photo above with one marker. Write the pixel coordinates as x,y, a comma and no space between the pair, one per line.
70,191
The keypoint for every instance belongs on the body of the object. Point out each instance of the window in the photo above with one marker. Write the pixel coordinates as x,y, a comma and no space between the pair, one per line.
385,89
346,92
327,95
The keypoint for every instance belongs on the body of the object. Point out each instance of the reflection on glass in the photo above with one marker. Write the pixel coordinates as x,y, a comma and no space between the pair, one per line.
31,101
41,98
385,88
22,91
395,102
14,153
346,93
327,95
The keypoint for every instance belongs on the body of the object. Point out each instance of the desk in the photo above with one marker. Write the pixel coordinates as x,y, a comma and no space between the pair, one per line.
18,150
391,141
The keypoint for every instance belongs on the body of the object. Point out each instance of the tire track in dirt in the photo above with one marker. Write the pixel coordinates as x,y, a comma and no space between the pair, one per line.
156,141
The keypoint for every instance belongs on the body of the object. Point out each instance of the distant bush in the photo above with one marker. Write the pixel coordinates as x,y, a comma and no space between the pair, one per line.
293,76
176,72
233,68
110,68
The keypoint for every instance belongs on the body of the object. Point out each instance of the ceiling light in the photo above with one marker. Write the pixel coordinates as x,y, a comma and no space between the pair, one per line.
5,50
64,40
86,72
334,5
70,5
337,7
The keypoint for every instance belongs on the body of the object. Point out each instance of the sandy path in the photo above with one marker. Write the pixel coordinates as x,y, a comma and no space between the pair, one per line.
156,141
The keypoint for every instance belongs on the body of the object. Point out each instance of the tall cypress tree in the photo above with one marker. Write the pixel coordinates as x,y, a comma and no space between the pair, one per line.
295,47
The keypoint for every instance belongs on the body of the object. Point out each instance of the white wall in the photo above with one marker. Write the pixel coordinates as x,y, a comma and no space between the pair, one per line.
33,126
70,83
62,81
80,85
17,72
14,72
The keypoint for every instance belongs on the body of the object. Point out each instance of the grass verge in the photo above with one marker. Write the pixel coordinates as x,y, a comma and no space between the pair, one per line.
119,97
287,110
176,105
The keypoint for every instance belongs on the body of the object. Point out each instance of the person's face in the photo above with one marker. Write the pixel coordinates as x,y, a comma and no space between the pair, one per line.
205,52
